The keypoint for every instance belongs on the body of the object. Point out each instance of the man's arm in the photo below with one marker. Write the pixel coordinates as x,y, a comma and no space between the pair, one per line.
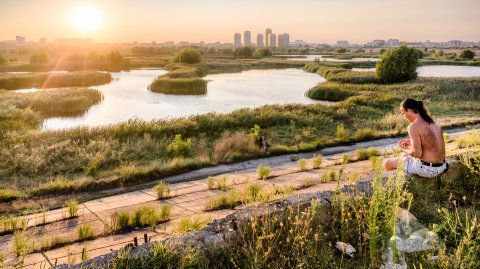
415,149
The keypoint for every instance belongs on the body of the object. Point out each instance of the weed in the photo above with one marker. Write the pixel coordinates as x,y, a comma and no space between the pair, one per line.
85,232
263,171
364,154
162,190
222,183
317,161
302,164
73,207
120,220
21,244
210,183
192,224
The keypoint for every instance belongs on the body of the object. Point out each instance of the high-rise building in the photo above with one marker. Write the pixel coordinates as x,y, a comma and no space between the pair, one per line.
268,32
20,39
237,40
393,42
273,41
260,40
247,38
283,40
43,41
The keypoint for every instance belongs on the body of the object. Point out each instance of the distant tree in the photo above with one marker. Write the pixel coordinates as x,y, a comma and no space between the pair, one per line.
382,51
341,50
467,54
39,58
360,51
114,58
441,53
419,53
244,52
398,65
2,59
263,52
187,56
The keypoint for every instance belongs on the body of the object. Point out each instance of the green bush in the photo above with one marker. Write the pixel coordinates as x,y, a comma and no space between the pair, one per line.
145,216
84,232
467,54
72,206
121,220
365,133
179,147
332,93
398,65
187,56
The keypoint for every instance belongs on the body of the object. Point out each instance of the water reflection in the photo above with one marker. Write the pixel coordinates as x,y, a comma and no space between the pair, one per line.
127,96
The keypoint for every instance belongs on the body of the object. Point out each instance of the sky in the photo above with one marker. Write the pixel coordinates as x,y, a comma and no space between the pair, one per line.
324,21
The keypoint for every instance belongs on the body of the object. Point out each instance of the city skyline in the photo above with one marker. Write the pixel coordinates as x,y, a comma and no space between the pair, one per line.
211,21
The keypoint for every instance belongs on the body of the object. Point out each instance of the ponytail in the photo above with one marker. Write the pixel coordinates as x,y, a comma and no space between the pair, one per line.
417,107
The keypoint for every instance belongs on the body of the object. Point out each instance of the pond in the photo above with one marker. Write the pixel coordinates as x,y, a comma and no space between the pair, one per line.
440,71
127,96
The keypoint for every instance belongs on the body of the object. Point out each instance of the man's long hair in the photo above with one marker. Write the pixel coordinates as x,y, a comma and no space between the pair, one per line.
418,108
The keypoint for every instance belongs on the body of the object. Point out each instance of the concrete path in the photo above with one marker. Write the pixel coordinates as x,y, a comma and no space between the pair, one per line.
188,198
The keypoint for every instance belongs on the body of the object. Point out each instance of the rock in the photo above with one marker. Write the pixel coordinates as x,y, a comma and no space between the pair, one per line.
345,248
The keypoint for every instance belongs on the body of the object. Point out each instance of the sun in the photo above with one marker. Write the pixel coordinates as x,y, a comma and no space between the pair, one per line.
85,19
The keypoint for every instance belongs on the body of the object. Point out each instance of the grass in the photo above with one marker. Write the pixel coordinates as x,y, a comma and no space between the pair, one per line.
53,80
263,171
181,80
302,164
145,216
364,154
136,152
317,161
222,183
72,206
7,195
186,225
162,190
84,232
211,183
22,245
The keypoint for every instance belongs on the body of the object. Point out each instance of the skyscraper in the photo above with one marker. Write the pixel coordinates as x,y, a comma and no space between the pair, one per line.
268,32
237,40
247,40
273,41
283,40
260,40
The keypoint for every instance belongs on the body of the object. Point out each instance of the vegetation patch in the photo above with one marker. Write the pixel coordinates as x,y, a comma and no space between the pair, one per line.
53,80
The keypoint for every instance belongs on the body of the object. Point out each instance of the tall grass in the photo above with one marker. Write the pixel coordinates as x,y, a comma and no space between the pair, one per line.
263,171
54,80
162,190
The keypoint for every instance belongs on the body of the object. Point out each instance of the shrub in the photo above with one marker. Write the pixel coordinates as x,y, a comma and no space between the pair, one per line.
302,164
187,56
84,232
165,212
365,133
179,147
72,206
121,220
263,171
317,161
162,190
467,54
39,58
145,216
235,147
398,65
341,134
293,157
329,93
363,154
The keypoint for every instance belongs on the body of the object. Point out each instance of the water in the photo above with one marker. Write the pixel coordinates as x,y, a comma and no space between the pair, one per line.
440,71
311,58
127,96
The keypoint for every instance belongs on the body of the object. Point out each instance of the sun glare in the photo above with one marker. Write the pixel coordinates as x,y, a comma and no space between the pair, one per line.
85,19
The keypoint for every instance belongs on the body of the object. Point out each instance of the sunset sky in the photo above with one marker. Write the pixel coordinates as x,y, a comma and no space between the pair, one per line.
217,20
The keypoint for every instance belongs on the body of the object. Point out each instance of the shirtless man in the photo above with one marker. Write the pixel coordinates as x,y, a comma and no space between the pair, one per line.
424,153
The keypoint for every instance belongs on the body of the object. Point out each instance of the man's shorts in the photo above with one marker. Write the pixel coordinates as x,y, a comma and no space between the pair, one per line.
416,167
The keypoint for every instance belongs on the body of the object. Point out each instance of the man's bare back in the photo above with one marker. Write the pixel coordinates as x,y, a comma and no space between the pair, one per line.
431,141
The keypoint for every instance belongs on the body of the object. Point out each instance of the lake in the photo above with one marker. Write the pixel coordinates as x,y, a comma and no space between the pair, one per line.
127,96
311,58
